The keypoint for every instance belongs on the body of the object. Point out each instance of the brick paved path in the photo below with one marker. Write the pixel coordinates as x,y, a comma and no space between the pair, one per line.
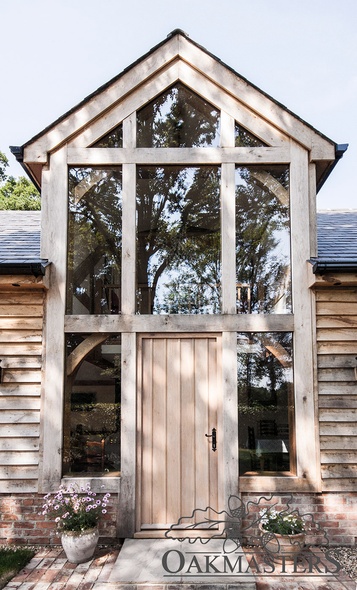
49,570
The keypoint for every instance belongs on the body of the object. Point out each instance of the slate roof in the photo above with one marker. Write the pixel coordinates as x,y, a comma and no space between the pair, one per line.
337,241
20,234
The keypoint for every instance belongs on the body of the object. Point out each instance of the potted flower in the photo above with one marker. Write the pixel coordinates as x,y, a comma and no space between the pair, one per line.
76,512
283,532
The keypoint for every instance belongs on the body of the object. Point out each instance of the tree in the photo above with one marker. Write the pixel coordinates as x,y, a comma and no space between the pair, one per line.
17,193
3,164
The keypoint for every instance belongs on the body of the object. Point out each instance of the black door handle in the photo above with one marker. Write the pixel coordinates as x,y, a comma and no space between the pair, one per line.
214,439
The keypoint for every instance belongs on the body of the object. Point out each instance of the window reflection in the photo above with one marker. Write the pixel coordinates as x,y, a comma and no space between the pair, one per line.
265,402
263,277
244,138
178,118
178,239
92,405
94,241
113,139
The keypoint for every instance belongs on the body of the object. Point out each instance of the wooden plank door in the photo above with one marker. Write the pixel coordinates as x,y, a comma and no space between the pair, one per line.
180,402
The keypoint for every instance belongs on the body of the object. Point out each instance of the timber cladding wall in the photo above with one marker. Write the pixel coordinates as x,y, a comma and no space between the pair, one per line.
336,316
21,318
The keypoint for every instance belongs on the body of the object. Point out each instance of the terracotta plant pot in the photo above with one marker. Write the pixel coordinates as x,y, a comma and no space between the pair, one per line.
79,547
287,546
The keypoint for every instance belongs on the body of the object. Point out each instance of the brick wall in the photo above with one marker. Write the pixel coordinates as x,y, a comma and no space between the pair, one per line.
21,521
335,512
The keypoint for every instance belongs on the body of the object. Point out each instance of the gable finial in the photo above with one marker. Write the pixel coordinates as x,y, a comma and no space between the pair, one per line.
177,32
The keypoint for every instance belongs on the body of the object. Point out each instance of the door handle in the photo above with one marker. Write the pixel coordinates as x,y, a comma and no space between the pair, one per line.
213,436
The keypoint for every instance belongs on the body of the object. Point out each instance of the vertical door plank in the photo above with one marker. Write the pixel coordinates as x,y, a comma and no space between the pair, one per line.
159,439
202,426
214,398
188,416
173,430
146,462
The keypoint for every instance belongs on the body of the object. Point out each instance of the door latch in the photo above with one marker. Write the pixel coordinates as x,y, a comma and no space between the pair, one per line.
213,436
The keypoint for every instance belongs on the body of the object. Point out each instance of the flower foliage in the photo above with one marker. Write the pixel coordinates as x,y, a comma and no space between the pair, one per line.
281,523
75,509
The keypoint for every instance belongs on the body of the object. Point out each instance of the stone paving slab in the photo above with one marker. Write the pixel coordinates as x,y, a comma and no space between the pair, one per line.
187,565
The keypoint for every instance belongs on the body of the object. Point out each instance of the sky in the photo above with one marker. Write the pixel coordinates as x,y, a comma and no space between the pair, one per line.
303,53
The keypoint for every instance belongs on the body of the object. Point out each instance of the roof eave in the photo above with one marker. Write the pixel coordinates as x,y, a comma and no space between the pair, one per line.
18,152
340,149
321,267
34,268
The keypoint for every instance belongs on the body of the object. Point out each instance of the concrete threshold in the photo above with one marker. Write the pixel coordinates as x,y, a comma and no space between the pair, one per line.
169,564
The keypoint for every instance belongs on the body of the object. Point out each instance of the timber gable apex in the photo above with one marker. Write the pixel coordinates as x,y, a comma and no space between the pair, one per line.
177,58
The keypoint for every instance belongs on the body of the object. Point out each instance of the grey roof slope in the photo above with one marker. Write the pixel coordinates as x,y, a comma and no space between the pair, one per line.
337,240
20,235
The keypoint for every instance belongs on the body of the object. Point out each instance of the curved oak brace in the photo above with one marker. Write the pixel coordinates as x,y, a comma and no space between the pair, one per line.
81,351
272,185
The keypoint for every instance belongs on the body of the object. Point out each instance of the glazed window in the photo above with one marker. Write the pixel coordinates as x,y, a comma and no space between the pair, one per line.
113,139
265,403
92,405
263,271
94,241
178,118
178,240
244,138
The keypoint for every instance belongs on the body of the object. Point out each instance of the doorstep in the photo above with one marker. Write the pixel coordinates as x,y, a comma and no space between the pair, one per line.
161,564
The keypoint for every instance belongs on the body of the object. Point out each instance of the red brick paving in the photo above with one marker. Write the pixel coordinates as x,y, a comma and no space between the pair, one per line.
49,570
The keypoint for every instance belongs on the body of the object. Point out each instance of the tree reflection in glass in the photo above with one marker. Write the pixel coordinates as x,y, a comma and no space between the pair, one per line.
178,118
265,402
178,239
92,404
243,138
113,139
94,241
263,274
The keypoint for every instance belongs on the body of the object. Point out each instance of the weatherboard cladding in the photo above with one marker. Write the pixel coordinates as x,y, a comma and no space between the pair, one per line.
20,234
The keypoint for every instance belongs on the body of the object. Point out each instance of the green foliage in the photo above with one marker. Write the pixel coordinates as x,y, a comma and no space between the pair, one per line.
4,162
282,523
17,193
12,560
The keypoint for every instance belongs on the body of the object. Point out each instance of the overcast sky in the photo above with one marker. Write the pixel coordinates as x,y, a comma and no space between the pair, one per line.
301,52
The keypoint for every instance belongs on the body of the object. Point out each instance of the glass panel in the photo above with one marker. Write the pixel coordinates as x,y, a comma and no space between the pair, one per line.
94,241
113,139
263,239
265,402
178,118
178,239
92,405
244,138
